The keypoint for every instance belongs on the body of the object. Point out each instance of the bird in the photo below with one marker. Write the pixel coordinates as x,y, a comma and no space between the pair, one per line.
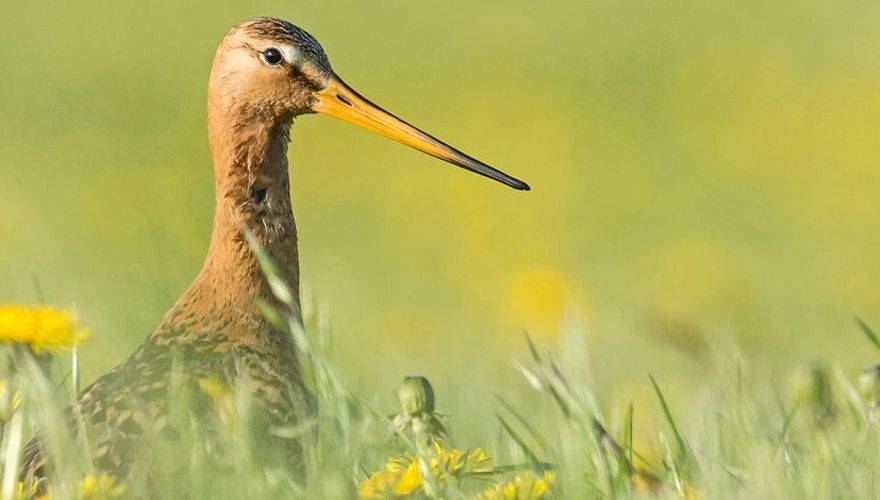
266,73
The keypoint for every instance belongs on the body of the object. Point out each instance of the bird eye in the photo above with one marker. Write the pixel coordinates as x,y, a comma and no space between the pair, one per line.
272,56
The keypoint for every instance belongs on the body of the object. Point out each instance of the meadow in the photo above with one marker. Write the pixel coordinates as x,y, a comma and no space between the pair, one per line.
703,212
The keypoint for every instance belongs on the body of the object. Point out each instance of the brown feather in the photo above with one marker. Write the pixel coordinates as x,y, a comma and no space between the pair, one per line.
215,328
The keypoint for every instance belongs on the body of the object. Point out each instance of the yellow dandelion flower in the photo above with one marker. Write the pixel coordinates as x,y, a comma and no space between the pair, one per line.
378,486
402,476
458,463
221,395
25,491
100,487
539,300
410,480
216,388
40,328
521,487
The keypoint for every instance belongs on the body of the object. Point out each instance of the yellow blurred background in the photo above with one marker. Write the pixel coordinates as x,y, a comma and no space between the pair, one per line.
713,166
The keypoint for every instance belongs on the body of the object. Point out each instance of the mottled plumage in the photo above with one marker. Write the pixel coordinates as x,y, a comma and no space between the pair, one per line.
215,329
265,73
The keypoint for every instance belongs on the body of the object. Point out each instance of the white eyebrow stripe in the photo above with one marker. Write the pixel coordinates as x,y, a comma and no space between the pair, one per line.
291,54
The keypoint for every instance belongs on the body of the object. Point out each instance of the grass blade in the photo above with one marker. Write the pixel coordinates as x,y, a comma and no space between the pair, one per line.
532,349
679,440
518,440
628,433
532,432
11,458
869,333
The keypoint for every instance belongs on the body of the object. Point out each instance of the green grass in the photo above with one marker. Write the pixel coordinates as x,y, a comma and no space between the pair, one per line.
746,435
713,163
704,176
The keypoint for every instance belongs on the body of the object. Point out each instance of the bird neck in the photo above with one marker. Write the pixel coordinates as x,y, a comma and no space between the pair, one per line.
252,192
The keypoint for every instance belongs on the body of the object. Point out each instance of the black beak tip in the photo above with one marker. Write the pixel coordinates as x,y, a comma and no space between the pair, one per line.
520,185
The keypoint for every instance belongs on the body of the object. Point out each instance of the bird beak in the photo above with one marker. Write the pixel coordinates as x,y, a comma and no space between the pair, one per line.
343,102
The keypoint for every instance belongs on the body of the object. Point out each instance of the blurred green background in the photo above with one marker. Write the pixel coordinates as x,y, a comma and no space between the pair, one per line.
706,167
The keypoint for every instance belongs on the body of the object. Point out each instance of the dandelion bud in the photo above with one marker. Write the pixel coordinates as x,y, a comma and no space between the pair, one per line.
417,412
416,395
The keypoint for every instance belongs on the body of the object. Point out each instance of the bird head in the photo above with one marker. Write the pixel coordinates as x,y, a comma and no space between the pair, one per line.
279,70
